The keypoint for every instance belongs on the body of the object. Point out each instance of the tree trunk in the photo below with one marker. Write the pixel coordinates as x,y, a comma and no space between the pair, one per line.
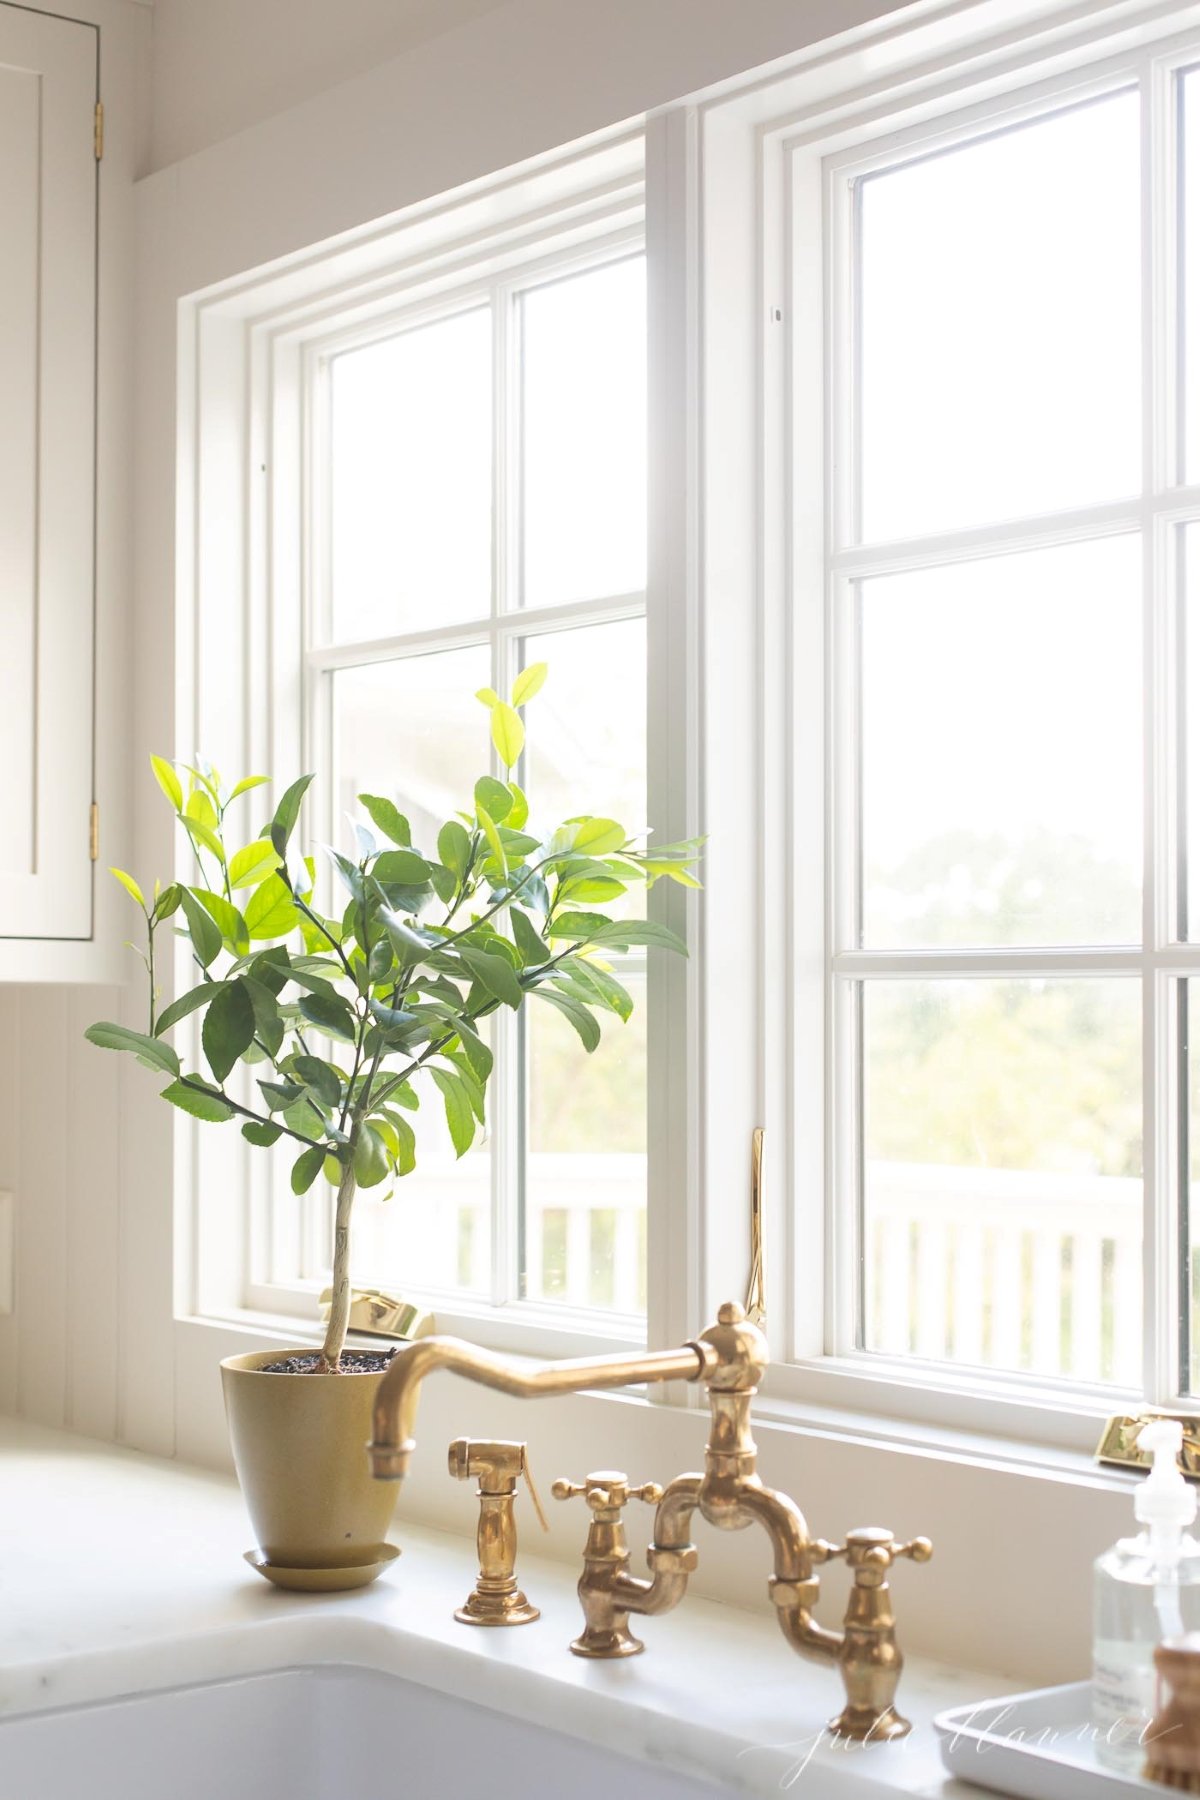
339,1311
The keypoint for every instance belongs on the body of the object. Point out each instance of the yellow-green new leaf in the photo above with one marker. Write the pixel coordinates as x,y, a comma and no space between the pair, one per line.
528,683
508,734
168,781
130,885
249,866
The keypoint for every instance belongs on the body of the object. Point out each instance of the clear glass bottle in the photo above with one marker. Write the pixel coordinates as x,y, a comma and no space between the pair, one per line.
1147,1588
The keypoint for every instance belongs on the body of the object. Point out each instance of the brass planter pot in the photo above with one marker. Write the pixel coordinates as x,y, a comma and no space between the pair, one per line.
299,1447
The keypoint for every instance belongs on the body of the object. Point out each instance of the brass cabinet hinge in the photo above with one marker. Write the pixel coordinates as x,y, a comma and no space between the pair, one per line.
98,130
94,831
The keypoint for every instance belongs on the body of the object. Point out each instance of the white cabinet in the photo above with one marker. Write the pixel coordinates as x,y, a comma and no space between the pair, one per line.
48,238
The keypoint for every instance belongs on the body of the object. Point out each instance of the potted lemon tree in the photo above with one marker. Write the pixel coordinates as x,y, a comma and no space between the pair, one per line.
321,1032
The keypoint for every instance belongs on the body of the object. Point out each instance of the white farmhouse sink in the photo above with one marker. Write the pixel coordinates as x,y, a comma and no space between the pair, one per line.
327,1733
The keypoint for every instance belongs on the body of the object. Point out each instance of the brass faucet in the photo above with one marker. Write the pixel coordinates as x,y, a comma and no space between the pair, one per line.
730,1357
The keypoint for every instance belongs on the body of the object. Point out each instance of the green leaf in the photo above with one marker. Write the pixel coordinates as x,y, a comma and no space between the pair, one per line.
400,868
621,933
580,1017
227,919
605,986
454,847
520,809
253,863
304,1119
202,928
320,1076
493,838
476,1051
388,818
495,973
186,1003
528,683
394,1020
531,946
268,1023
168,781
263,1135
581,925
149,1051
200,810
130,885
406,1140
494,798
459,1114
370,1158
306,1168
409,945
166,903
604,887
332,1015
508,734
247,782
206,836
228,1029
270,910
287,813
200,1101
488,696
600,837
279,1095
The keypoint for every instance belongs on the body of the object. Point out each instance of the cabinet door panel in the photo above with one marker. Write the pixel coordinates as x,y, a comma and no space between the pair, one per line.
47,471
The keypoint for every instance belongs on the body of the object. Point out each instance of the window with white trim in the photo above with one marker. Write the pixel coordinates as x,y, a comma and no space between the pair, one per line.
1012,447
476,503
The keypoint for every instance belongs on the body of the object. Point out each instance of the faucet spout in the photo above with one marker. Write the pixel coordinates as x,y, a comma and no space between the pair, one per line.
392,1441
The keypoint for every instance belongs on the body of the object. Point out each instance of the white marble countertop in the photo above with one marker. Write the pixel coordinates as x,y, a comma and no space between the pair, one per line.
121,1574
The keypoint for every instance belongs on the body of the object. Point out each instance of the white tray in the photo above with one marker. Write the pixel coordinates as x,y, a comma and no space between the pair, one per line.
1038,1746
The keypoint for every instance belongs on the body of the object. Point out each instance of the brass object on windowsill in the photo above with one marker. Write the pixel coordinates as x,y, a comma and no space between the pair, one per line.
382,1315
730,1358
1118,1444
495,1599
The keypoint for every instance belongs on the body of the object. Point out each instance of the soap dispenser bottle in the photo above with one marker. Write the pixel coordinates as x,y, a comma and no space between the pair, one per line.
1147,1588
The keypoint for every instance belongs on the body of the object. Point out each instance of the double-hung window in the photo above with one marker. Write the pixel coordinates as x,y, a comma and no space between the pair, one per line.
476,504
1012,457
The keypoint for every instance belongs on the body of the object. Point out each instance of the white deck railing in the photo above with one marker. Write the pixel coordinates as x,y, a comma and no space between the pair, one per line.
1008,1268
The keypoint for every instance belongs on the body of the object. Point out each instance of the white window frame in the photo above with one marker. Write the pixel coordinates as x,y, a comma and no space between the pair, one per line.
800,151
257,355
307,1224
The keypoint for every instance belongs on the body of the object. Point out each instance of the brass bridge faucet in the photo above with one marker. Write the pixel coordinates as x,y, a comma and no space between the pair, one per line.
730,1358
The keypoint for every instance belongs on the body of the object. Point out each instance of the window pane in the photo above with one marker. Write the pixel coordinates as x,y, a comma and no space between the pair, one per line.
1189,548
1189,1015
1189,114
1001,750
583,359
999,349
411,480
412,731
585,1192
1002,1151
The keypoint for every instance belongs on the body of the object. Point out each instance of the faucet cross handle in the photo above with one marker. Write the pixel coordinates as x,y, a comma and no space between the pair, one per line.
607,1490
870,1551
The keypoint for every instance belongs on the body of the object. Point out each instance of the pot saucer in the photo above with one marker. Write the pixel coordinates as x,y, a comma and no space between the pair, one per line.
324,1581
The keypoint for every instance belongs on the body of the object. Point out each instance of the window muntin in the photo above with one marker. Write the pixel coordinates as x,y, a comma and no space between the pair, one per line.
391,674
1010,823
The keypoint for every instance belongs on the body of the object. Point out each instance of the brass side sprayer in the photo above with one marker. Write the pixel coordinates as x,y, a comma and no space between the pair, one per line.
495,1599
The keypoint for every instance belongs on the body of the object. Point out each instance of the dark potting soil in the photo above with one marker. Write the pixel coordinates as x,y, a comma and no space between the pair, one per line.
354,1362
